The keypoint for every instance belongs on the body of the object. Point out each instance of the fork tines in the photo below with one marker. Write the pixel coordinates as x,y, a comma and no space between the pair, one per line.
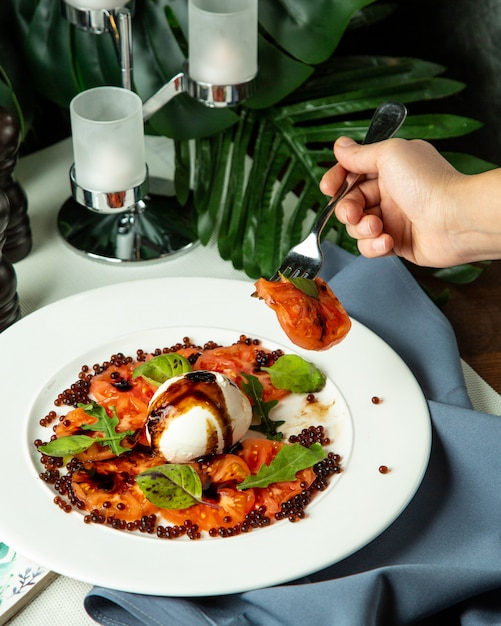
287,271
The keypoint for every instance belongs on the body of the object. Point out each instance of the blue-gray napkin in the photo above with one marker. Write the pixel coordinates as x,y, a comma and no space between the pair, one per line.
440,561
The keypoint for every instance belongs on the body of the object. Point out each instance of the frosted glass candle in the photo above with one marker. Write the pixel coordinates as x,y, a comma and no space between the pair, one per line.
108,139
97,4
222,41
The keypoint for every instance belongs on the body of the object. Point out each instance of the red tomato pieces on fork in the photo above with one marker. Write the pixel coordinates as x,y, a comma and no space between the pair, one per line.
312,323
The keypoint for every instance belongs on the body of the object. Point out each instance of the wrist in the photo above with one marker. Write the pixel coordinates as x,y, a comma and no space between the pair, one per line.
476,229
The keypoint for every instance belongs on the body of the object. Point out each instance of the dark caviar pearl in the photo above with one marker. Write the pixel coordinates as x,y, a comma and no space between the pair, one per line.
308,436
376,400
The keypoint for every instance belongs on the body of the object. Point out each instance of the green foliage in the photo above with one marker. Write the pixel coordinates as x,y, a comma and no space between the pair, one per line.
291,145
253,173
162,367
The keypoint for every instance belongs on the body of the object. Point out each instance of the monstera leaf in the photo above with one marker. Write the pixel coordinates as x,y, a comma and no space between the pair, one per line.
250,173
258,208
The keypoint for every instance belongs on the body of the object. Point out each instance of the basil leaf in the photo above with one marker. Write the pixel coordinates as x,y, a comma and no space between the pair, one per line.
171,486
306,285
162,367
289,460
67,446
292,372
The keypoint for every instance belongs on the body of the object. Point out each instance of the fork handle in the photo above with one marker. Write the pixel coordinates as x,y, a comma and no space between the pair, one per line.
326,213
386,121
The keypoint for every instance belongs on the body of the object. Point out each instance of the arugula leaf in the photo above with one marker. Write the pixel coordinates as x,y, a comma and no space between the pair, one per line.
289,460
307,285
171,486
107,425
162,367
74,444
292,372
254,389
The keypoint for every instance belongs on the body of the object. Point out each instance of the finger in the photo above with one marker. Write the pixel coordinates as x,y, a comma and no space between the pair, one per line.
362,159
364,198
332,180
377,247
369,227
349,210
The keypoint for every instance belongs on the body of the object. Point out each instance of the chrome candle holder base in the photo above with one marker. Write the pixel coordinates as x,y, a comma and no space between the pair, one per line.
147,229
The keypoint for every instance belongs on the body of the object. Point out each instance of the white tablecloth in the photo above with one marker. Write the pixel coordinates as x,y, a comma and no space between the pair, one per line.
53,271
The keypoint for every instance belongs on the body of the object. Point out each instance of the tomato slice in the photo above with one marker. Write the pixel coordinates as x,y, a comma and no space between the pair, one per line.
273,496
309,322
224,468
237,358
110,486
226,506
115,387
228,510
72,423
257,452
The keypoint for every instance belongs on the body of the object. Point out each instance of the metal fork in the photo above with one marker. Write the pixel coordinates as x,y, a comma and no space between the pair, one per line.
306,258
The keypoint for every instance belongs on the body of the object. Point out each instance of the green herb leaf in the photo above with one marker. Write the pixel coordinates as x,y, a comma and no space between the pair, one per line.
306,285
106,425
75,444
162,367
67,446
295,374
254,389
289,460
171,486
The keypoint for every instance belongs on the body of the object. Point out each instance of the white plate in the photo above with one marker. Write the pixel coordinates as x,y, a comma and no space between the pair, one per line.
47,348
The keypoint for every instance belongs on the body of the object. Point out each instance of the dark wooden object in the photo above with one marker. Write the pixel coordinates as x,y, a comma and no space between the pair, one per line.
13,220
18,240
9,302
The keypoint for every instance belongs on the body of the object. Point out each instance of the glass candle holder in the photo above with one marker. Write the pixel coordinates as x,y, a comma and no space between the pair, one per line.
108,139
94,5
223,41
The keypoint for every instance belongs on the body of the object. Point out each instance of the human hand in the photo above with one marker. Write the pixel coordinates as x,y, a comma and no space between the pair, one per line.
406,203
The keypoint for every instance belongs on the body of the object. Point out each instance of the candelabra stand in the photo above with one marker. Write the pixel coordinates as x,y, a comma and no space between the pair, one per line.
116,21
140,221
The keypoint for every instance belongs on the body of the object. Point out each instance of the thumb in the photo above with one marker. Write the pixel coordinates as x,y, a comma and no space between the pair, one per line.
361,159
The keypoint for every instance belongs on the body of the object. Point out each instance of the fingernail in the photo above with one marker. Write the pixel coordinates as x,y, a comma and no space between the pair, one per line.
344,142
341,214
379,244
